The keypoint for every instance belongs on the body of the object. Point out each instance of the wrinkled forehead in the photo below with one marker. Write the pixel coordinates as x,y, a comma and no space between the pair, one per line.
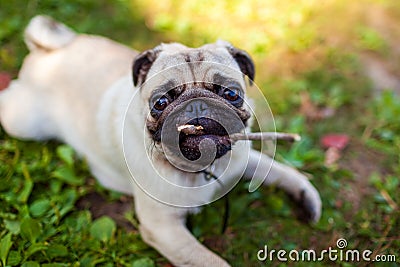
193,66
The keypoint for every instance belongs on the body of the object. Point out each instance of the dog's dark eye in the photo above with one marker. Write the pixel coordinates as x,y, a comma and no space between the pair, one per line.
161,103
232,95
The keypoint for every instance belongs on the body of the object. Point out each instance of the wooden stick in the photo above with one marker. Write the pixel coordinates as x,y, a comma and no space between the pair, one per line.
265,136
189,129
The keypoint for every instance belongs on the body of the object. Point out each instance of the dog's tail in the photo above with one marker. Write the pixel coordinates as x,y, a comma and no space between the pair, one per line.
44,33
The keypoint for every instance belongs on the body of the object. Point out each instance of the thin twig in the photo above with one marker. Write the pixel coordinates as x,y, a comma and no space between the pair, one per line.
189,129
265,136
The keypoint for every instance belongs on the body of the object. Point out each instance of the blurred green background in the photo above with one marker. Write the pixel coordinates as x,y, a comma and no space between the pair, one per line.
328,66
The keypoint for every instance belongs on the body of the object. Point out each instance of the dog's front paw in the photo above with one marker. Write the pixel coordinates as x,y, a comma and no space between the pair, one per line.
309,202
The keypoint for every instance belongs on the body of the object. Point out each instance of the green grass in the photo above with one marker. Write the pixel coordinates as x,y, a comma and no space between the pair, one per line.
48,198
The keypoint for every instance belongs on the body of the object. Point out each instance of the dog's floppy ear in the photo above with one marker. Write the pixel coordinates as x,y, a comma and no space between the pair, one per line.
244,61
142,64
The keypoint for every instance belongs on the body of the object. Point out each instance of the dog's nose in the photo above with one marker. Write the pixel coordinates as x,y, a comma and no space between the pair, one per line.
197,109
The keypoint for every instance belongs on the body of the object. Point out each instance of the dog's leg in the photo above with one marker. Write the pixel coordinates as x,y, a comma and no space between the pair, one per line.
21,113
22,106
163,227
261,166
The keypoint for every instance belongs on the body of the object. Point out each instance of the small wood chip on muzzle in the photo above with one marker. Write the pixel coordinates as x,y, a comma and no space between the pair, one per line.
190,129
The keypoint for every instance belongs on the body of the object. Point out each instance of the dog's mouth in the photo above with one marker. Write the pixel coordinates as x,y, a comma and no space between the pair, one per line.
196,131
206,129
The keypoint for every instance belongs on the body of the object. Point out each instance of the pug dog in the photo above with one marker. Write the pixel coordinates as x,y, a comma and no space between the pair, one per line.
129,122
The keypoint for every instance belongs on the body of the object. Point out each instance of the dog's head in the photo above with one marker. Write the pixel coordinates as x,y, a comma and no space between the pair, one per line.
202,87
